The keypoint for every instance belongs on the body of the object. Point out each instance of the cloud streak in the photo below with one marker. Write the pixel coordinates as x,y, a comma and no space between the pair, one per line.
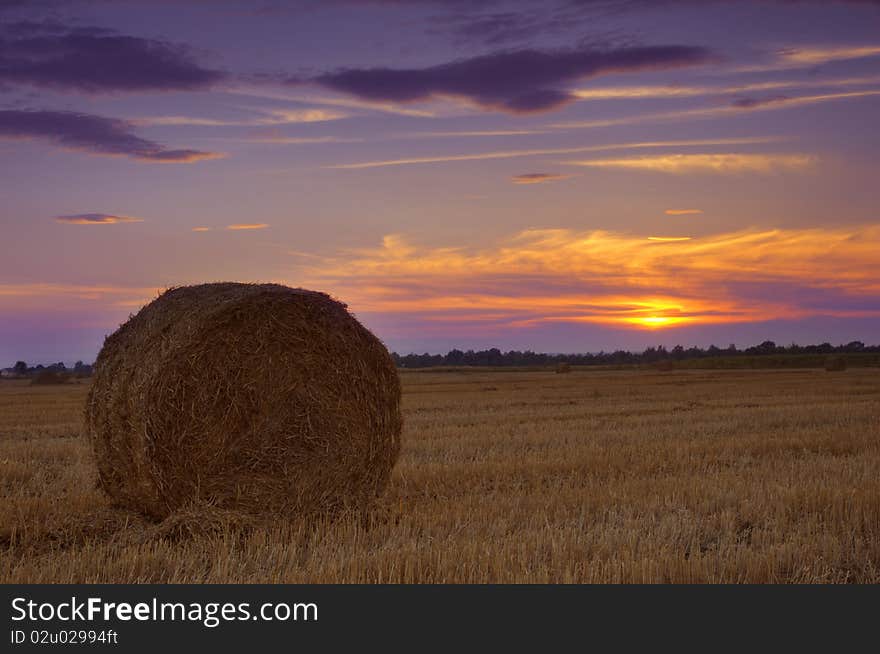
682,212
684,91
514,154
722,163
246,226
92,134
538,178
519,82
93,298
96,219
812,56
736,107
268,117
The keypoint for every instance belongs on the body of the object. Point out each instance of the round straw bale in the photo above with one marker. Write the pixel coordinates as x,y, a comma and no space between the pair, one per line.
563,367
254,397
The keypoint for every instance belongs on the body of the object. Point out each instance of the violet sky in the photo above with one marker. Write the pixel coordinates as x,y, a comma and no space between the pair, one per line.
561,176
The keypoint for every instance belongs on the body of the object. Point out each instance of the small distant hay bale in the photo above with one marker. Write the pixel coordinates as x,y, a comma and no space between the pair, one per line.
835,364
49,378
256,398
664,365
563,367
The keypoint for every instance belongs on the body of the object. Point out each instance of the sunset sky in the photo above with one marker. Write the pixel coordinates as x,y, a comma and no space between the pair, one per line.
565,176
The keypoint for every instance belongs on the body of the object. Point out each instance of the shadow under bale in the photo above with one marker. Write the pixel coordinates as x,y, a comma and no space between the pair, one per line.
253,397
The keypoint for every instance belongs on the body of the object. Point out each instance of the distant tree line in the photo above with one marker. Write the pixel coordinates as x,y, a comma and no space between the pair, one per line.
22,369
495,357
517,358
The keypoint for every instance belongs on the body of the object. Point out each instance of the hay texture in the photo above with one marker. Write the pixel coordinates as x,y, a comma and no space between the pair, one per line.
251,397
835,363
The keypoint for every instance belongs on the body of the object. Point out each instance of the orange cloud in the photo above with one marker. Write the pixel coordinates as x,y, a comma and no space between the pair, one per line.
538,178
682,212
96,219
201,229
669,238
243,226
559,275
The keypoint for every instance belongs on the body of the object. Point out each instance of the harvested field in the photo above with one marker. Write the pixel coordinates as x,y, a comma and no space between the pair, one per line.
592,476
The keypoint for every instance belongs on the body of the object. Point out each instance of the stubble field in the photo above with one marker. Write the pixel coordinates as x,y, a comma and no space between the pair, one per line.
593,476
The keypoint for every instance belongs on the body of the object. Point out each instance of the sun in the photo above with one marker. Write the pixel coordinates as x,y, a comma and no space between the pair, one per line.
657,322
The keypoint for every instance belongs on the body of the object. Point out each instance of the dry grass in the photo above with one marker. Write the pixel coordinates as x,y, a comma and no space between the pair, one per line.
594,476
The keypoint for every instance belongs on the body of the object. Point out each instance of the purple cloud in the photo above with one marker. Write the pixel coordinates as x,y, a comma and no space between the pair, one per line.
752,103
92,60
96,219
90,133
524,81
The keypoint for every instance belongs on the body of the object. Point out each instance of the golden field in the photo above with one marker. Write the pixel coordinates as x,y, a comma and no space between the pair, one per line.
526,476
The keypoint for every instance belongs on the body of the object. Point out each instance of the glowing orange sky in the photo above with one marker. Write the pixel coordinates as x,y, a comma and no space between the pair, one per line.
541,276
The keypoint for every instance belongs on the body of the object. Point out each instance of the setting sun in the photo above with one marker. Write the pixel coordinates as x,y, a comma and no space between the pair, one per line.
657,322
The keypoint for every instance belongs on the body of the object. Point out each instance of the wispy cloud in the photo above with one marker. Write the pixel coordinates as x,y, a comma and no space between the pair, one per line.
475,132
706,163
299,140
736,107
513,154
201,229
784,102
96,219
682,212
811,56
689,91
559,275
246,226
328,101
538,178
669,239
93,134
265,117
59,296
